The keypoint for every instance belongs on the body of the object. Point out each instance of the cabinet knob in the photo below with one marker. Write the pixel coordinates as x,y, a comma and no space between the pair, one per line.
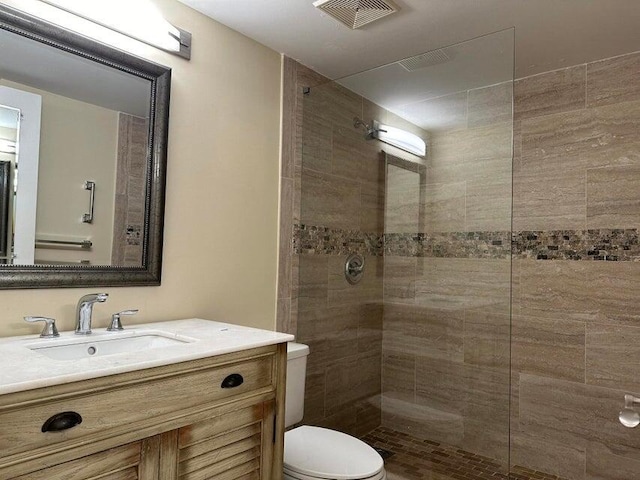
61,421
232,381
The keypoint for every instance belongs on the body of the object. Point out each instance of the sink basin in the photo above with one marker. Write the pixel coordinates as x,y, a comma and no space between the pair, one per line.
104,345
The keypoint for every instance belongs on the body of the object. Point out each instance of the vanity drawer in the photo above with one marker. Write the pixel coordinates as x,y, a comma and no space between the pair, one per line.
122,409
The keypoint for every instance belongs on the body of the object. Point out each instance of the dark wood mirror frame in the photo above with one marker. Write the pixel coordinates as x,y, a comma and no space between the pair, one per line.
49,276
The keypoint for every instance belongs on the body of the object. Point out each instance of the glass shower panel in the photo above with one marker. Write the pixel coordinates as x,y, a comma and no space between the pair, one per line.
416,357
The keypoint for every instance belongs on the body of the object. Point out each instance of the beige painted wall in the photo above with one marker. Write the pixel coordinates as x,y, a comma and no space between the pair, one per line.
220,247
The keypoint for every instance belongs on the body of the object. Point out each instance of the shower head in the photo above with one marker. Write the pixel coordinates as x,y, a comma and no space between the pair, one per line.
370,131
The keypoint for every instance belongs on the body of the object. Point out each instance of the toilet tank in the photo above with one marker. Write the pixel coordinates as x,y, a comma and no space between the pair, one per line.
296,375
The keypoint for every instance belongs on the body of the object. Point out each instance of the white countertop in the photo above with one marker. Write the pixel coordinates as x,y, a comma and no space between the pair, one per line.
26,369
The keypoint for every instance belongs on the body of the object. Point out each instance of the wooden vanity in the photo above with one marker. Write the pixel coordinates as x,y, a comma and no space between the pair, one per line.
219,417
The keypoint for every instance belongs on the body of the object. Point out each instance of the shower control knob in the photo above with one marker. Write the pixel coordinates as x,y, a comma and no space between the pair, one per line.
629,417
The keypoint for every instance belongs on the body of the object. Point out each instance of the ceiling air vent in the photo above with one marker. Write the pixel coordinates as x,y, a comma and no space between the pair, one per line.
425,60
356,13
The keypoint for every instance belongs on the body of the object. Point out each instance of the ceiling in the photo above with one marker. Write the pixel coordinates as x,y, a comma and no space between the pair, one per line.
550,34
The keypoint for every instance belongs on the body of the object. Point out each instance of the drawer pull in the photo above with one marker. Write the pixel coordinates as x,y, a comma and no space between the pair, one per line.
62,421
232,381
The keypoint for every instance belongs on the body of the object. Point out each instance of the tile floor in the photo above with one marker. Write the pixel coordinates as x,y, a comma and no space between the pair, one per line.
415,459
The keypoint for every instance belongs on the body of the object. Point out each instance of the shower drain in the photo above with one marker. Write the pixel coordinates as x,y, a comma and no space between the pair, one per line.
383,453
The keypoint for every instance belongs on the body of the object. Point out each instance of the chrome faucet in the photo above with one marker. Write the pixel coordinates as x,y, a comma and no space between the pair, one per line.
84,310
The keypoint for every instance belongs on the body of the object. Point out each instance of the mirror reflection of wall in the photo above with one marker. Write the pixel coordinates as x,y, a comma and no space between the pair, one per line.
8,136
94,128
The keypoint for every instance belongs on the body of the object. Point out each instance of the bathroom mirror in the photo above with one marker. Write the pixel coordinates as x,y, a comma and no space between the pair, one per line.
83,141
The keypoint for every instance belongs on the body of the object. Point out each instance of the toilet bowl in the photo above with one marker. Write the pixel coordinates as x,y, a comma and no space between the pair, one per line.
315,453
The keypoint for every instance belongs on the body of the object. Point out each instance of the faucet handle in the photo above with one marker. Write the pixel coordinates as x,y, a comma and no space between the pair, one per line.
49,330
115,320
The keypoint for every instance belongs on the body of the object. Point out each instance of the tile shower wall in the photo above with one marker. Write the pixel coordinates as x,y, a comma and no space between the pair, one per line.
128,221
445,375
340,210
576,325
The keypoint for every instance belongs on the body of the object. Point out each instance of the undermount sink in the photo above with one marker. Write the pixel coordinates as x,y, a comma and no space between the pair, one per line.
77,349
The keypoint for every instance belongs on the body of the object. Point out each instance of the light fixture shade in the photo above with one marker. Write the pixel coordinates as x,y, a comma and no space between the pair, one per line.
399,138
139,19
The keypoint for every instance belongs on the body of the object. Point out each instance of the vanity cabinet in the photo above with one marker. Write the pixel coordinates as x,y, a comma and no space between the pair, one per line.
220,417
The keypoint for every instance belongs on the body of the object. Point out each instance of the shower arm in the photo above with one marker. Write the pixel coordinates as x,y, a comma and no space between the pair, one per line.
630,401
370,131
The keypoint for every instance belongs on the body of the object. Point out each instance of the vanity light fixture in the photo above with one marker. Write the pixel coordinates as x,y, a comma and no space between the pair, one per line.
399,138
138,19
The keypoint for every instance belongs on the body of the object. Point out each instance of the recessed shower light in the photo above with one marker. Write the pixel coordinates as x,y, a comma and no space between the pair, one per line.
356,13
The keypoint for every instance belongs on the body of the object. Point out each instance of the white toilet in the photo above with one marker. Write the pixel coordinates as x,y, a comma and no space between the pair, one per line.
314,453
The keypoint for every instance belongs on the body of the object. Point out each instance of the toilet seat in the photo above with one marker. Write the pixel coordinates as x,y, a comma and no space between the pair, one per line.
314,453
288,475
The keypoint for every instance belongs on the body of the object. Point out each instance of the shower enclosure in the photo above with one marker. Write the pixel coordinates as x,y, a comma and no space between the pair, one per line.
414,356
494,329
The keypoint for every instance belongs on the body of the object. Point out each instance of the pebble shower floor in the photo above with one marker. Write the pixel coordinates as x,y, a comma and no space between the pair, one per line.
415,459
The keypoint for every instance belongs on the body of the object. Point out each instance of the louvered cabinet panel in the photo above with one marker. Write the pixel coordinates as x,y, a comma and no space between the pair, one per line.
233,446
134,461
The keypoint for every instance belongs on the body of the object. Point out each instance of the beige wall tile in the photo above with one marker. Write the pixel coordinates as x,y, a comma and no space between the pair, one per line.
316,142
440,384
614,80
597,136
611,462
548,347
368,415
487,339
573,412
614,288
556,289
444,207
613,197
538,453
334,103
402,201
488,437
351,153
370,328
285,250
314,395
550,197
283,317
612,353
399,279
422,421
350,380
345,420
312,291
552,92
422,331
490,105
330,201
488,206
399,376
463,284
331,334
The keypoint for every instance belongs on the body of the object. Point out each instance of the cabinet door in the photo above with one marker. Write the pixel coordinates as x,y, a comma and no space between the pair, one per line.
236,445
134,461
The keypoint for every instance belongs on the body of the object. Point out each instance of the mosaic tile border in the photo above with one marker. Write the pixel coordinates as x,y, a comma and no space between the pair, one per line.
591,245
312,239
595,244
448,245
